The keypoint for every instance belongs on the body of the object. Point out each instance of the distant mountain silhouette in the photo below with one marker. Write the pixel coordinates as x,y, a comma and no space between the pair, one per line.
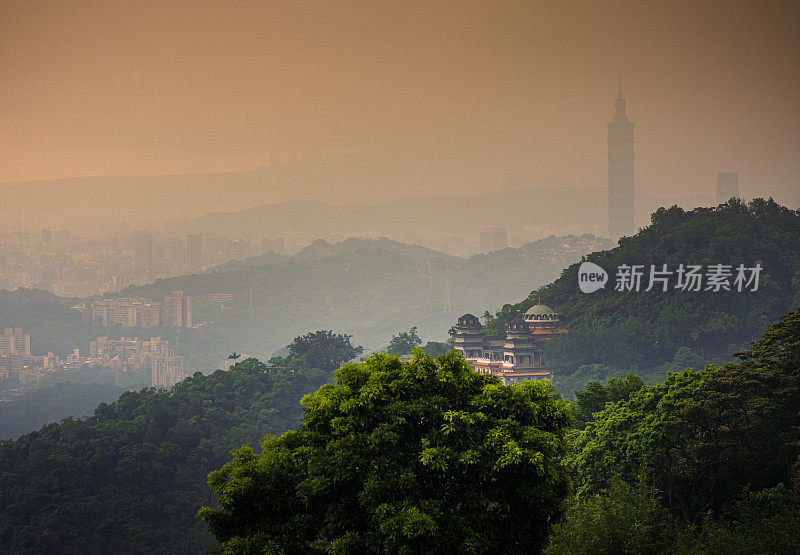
468,188
561,210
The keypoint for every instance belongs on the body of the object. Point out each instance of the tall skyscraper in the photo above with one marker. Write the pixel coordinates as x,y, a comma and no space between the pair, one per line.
194,253
620,171
143,251
727,186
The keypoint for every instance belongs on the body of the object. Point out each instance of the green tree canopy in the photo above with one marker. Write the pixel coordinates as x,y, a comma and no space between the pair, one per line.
684,358
402,457
404,342
436,348
703,436
596,395
324,349
130,478
623,519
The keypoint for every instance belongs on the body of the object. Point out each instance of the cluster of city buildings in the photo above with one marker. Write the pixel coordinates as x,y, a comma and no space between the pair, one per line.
131,354
71,265
515,356
175,311
20,366
131,360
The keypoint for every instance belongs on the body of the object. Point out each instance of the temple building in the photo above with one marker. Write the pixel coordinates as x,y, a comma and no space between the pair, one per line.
517,356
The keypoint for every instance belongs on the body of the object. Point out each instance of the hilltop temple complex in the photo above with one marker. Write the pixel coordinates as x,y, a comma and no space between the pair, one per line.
514,358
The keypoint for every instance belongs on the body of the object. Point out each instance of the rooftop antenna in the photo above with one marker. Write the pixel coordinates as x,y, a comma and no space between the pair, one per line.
620,83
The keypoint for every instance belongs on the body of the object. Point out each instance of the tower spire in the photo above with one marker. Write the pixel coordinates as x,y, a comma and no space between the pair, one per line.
620,171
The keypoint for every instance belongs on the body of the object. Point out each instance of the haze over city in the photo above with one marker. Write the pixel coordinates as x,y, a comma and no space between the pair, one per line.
364,102
437,276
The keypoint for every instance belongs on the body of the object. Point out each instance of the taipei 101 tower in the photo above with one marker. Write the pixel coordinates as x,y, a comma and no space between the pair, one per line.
620,171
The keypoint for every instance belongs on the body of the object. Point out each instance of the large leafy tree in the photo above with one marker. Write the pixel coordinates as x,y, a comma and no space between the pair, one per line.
405,457
324,349
626,518
404,342
596,395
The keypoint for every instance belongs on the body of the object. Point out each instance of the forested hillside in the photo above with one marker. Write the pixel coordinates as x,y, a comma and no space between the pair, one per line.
54,326
705,462
429,456
647,331
131,477
22,414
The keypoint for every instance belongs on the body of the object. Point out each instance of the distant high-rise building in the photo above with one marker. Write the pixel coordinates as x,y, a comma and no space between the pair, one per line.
47,237
727,186
16,341
143,252
241,248
620,171
194,253
177,310
493,239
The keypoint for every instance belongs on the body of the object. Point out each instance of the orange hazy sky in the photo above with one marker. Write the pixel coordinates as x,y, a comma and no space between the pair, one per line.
136,88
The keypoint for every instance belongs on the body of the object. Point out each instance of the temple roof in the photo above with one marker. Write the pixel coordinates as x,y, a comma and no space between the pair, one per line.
540,310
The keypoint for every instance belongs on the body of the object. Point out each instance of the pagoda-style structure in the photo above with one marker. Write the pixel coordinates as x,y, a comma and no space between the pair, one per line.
517,356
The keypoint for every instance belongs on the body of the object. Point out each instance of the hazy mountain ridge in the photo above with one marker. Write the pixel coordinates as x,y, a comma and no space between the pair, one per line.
370,288
270,200
556,207
330,178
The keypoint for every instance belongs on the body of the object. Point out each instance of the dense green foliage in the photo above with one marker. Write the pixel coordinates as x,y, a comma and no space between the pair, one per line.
131,477
403,457
644,330
569,384
436,348
625,519
766,521
31,411
704,463
631,518
704,436
323,349
596,395
429,456
404,342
